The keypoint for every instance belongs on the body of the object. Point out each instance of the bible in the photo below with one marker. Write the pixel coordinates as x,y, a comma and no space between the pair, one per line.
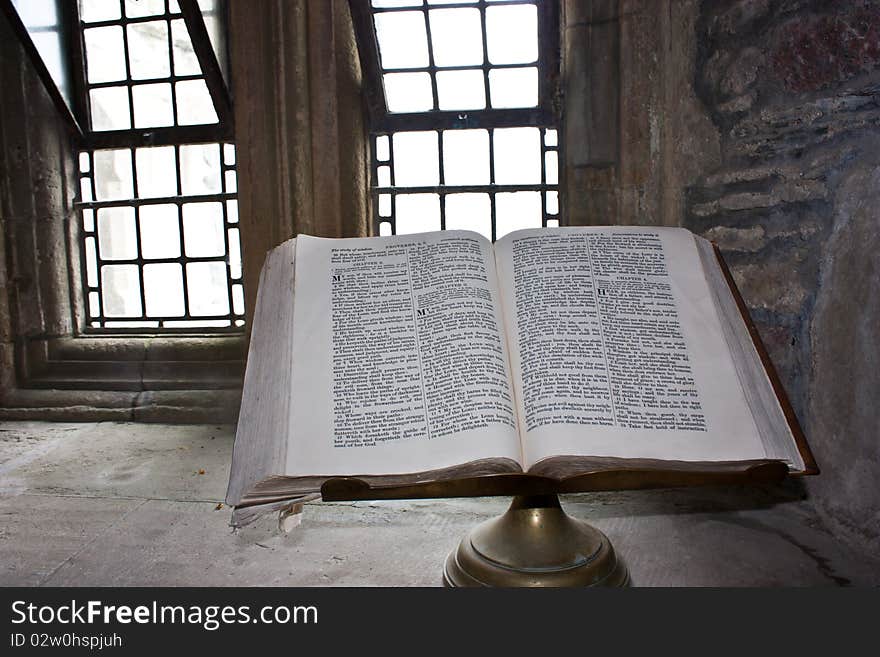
550,353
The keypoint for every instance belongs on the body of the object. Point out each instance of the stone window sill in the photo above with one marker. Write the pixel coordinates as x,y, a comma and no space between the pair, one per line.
158,379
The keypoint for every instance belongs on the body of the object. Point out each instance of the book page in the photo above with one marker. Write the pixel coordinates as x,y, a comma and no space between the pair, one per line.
399,359
260,437
617,350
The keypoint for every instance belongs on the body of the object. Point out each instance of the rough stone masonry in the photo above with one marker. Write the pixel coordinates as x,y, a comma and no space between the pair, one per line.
793,88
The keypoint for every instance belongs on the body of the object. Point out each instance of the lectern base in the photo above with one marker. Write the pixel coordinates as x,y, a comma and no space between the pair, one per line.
535,543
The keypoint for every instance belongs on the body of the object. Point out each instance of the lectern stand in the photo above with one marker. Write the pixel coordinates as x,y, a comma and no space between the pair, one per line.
535,543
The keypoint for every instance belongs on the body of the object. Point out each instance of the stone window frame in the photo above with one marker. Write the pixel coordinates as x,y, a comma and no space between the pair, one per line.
50,368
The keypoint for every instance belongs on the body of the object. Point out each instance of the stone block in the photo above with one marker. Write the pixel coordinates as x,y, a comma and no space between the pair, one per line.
737,239
817,51
742,72
776,286
738,18
846,365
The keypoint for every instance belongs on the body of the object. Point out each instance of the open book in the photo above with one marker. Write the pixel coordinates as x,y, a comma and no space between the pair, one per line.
552,352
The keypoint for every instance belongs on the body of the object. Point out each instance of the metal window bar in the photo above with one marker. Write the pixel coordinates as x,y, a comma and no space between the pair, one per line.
547,65
95,261
191,14
129,82
550,215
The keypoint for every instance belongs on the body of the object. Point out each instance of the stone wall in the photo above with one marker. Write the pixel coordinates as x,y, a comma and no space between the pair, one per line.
37,183
301,134
793,87
755,123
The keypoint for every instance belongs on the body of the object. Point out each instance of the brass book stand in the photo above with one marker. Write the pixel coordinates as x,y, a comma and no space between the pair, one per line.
535,543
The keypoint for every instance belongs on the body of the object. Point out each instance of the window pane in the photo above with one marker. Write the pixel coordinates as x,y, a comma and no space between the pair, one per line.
94,304
384,228
469,212
230,181
206,288
120,291
160,232
550,137
88,220
156,172
229,154
92,11
194,104
185,60
416,159
91,263
117,236
85,190
417,213
408,92
403,41
461,90
513,87
163,290
383,176
138,8
551,172
148,50
200,169
105,54
113,179
517,210
232,211
110,108
552,202
466,157
384,205
234,253
238,299
203,229
512,34
152,105
456,36
382,153
517,156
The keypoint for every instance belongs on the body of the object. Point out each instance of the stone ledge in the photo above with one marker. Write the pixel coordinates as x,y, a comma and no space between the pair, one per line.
134,363
137,348
176,406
